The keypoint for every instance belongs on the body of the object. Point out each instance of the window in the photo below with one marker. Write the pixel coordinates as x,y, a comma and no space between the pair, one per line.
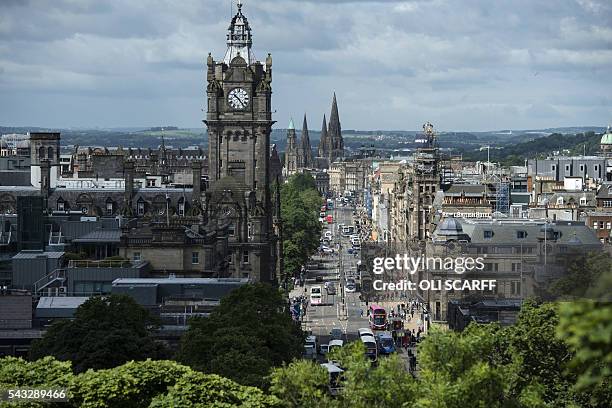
195,258
141,208
181,209
560,201
567,168
488,234
515,287
109,208
521,234
583,201
136,257
245,257
601,225
151,183
60,206
608,225
516,267
582,167
607,203
231,230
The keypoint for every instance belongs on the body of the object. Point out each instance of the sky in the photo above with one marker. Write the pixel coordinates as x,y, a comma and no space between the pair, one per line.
470,65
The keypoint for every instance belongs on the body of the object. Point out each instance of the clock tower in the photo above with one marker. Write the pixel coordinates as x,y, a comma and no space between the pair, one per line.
239,121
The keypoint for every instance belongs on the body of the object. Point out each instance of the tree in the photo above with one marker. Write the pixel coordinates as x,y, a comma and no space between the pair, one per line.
301,384
537,355
249,333
300,204
141,384
106,332
588,276
203,391
586,327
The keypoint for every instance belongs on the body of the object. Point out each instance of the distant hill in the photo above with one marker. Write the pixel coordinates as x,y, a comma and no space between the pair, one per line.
508,145
516,154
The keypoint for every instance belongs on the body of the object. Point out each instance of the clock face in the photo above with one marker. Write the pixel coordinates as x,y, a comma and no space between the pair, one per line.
238,99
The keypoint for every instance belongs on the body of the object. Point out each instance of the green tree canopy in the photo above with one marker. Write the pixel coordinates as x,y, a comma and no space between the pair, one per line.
300,205
249,333
106,332
141,384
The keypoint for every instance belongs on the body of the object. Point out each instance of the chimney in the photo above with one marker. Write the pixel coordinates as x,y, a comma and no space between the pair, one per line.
196,167
128,169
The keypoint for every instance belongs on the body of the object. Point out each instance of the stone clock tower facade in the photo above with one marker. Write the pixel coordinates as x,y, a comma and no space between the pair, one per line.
239,121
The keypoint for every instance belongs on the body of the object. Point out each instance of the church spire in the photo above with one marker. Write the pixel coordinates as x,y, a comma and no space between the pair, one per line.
323,142
239,38
305,146
336,143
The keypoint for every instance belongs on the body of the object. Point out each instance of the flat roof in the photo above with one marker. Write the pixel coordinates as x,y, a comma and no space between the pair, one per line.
178,281
61,302
34,254
96,236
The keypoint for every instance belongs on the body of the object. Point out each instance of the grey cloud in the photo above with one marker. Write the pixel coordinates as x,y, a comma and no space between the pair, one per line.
393,64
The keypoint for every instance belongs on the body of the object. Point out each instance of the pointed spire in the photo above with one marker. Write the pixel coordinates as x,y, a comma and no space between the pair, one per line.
336,142
291,125
305,146
323,142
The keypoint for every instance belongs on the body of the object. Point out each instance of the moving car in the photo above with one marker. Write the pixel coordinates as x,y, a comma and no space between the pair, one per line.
350,286
336,334
330,288
385,344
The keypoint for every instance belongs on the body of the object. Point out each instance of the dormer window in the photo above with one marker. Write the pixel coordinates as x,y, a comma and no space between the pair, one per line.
560,201
583,201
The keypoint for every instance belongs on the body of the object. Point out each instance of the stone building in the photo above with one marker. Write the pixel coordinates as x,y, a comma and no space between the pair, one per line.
523,256
239,121
292,152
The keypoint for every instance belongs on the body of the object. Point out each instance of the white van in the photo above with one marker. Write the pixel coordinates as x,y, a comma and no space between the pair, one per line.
310,348
315,295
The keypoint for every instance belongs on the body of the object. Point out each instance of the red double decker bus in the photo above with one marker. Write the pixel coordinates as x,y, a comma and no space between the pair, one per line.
378,318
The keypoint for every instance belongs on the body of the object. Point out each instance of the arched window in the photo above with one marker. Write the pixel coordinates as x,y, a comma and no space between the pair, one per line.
50,153
41,153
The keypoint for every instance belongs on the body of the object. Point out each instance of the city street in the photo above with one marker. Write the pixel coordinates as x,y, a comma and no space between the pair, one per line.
343,309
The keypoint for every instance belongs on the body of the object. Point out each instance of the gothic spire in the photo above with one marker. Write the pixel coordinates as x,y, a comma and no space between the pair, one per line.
305,145
335,131
323,142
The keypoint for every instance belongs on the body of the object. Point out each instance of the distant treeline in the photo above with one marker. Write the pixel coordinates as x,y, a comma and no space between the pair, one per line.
516,154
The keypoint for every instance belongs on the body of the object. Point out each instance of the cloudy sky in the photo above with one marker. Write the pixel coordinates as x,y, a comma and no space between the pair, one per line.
463,65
